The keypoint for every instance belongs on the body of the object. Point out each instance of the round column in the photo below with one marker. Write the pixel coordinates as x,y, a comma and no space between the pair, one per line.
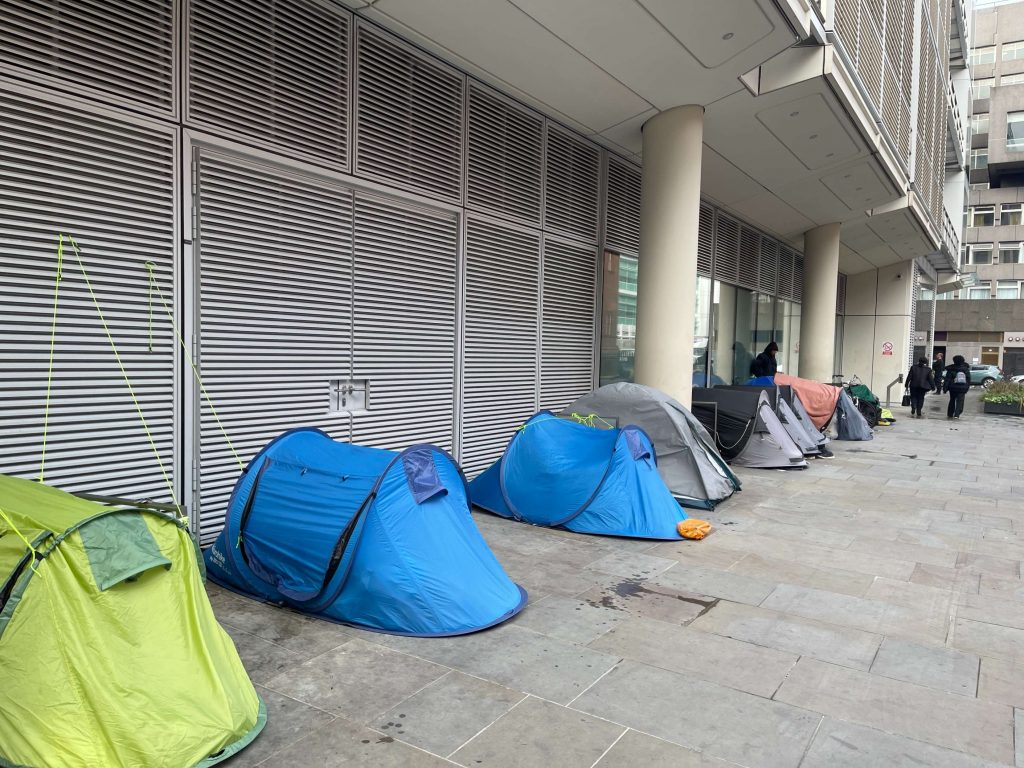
667,276
818,309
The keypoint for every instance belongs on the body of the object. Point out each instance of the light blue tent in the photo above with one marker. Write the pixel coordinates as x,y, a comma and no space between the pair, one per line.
561,473
372,538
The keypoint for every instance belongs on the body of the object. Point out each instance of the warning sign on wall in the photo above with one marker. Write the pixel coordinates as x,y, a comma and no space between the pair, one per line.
886,349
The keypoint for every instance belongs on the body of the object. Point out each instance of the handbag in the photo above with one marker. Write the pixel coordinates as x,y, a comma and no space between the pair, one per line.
906,398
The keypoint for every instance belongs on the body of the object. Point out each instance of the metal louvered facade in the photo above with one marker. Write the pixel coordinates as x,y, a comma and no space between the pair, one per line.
408,119
568,312
353,234
121,51
110,183
404,292
505,157
274,314
501,344
275,71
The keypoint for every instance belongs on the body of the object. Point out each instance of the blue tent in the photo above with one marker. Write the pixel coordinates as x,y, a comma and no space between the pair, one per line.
372,538
561,473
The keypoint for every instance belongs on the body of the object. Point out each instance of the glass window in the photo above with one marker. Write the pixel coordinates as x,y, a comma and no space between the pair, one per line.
1015,131
979,159
701,332
927,294
1009,214
986,55
1011,253
979,123
948,296
981,253
981,186
1015,79
980,291
618,318
1013,50
1008,289
723,330
983,88
787,335
982,216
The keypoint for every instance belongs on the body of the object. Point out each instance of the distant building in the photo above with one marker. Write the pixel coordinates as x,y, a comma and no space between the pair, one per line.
987,325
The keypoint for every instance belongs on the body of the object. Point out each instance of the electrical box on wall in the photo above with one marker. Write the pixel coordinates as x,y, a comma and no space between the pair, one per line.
349,395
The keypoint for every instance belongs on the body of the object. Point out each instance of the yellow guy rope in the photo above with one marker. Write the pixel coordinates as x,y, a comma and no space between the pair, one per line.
195,369
53,339
124,372
20,535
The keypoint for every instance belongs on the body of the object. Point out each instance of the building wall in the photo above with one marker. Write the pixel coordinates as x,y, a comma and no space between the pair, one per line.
878,315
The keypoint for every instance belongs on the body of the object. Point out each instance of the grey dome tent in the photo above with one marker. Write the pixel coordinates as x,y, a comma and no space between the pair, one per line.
780,401
819,437
746,429
688,460
850,423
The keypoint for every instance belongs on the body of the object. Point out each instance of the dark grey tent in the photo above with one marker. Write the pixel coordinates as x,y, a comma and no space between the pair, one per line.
850,423
779,400
746,429
688,461
819,437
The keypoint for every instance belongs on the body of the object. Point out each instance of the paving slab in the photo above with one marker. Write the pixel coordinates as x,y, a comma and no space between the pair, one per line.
716,583
723,660
994,610
986,639
515,657
802,636
769,569
636,750
940,668
447,713
847,745
263,660
535,733
1001,681
342,743
570,619
718,721
959,723
358,680
647,600
942,577
288,721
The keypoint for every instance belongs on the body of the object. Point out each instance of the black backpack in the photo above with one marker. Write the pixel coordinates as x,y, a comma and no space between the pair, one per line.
871,412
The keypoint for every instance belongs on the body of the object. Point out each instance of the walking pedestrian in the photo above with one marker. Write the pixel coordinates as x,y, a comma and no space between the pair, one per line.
957,383
938,368
920,381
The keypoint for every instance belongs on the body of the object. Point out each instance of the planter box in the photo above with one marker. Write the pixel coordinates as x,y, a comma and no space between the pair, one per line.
1004,408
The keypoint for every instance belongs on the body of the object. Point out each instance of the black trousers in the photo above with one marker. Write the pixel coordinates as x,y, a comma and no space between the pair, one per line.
917,399
956,403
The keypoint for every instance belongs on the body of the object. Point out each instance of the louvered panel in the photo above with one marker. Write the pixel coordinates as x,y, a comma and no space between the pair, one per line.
568,322
798,278
109,183
403,331
408,117
768,271
841,295
505,157
275,274
750,247
705,239
787,284
121,49
727,246
572,180
869,63
847,25
272,70
500,338
622,226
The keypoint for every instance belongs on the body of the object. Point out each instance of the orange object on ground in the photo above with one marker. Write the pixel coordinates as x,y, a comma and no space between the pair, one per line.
819,400
693,529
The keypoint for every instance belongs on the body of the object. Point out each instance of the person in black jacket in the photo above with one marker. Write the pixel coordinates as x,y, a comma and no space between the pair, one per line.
938,367
957,382
765,364
920,381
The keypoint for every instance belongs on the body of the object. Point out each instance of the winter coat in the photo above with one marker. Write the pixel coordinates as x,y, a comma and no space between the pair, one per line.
764,365
920,377
951,372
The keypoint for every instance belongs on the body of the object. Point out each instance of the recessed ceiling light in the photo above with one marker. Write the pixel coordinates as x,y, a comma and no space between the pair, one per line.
727,36
813,136
793,114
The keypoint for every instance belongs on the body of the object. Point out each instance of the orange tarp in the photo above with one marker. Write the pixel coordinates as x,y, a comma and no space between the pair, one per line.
819,399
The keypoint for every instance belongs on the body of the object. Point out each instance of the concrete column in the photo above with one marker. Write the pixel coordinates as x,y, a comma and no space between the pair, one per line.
667,277
818,310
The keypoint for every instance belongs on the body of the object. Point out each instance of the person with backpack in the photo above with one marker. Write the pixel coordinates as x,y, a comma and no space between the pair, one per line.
920,381
957,383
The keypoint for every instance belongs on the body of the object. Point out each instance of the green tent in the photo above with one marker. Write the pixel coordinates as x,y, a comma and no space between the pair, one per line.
110,654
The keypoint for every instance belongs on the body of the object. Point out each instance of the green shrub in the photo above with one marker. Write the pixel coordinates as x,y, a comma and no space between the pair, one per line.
1005,393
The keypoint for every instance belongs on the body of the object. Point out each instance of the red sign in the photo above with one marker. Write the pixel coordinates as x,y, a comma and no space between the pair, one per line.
887,349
